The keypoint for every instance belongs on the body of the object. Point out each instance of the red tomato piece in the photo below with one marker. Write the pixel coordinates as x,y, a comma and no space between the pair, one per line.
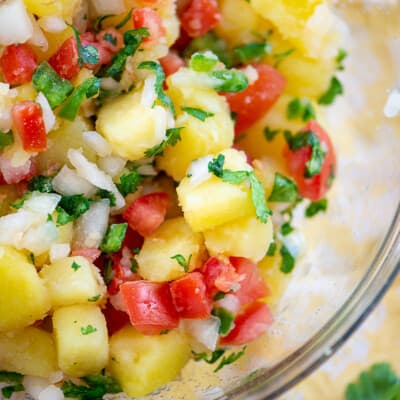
200,17
249,325
252,284
149,306
13,175
91,254
147,213
132,240
18,63
252,103
189,295
115,319
313,188
110,39
182,42
150,19
171,63
65,59
28,120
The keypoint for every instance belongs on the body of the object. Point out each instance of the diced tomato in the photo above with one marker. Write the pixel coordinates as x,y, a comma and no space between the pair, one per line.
65,59
149,306
28,120
252,284
313,188
18,63
104,53
249,325
115,319
110,39
252,103
132,240
189,295
147,213
219,275
150,19
182,42
13,175
171,63
91,254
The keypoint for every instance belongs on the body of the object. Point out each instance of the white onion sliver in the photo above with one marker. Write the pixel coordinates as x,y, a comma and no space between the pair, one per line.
52,24
43,203
97,143
34,385
149,94
198,170
48,115
38,38
40,238
251,74
59,250
68,182
392,106
230,302
160,119
294,242
51,393
102,7
205,331
148,170
112,165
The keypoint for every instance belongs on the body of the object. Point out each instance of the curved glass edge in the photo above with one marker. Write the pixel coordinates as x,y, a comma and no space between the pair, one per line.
269,383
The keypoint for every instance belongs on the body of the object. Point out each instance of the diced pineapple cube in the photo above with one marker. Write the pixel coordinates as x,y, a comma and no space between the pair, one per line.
198,138
173,237
81,339
65,232
73,280
246,237
23,295
212,202
26,92
130,125
30,351
142,363
59,8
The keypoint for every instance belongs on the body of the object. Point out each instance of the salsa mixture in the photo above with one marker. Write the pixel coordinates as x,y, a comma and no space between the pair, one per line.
152,156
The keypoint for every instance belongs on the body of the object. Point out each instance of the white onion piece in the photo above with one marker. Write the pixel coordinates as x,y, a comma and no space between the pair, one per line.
59,250
112,165
97,143
230,302
392,106
147,170
149,94
94,175
251,74
52,24
48,115
294,242
91,227
109,84
14,173
6,103
205,331
160,117
198,170
34,385
68,182
51,393
38,38
43,203
101,7
15,24
39,239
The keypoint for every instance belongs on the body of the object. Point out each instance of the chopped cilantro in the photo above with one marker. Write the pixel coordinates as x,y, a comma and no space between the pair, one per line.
31,258
214,356
86,54
271,249
341,56
230,359
87,330
288,261
110,39
219,296
93,299
124,20
252,51
279,57
6,138
20,202
231,80
49,218
98,22
270,134
164,332
173,137
129,182
197,113
203,62
106,194
286,228
134,265
71,207
136,250
180,259
47,81
315,207
226,318
75,266
284,189
8,391
41,183
13,378
335,89
302,109
108,272
114,237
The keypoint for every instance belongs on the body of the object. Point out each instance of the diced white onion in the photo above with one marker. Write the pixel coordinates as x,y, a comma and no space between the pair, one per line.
48,115
392,106
6,104
294,242
59,250
13,173
68,182
34,385
38,38
230,302
102,7
112,165
51,393
91,227
56,377
109,84
52,24
97,143
149,94
94,175
160,118
15,24
205,331
43,203
251,74
39,239
147,170
198,170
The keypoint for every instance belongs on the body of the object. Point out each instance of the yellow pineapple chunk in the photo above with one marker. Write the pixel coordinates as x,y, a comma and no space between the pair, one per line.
207,201
73,280
81,339
23,295
30,351
60,8
143,363
173,237
246,237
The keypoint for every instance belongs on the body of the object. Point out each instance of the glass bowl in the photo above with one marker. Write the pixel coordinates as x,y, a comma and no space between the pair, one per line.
353,251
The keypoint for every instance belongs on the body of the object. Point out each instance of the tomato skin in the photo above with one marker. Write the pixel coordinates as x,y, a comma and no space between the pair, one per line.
171,63
149,306
249,325
115,319
189,295
200,17
147,212
252,103
18,63
252,284
91,254
27,118
148,18
65,59
313,188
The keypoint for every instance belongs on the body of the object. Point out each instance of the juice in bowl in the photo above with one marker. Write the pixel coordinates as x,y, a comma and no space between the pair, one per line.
170,173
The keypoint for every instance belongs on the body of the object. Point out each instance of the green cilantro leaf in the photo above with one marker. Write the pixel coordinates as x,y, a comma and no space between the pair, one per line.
226,318
203,62
197,113
129,182
108,37
124,20
11,377
315,207
284,189
279,57
335,89
93,299
87,89
286,228
216,166
270,134
230,359
6,138
75,266
173,137
134,265
341,56
160,77
231,80
108,271
114,237
252,51
219,296
31,258
41,183
71,207
288,261
20,202
271,249
86,54
8,391
182,262
106,194
47,81
87,330
302,109
258,197
215,356
98,22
